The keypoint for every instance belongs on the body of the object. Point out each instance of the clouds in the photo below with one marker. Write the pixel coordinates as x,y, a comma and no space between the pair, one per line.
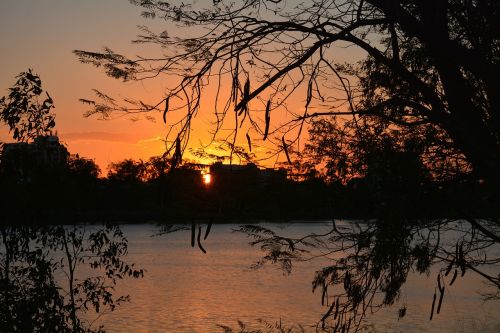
95,136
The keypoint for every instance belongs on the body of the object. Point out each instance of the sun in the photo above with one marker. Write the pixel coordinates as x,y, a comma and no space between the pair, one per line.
207,178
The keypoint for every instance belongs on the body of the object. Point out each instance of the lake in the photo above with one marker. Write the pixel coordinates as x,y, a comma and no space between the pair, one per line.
186,290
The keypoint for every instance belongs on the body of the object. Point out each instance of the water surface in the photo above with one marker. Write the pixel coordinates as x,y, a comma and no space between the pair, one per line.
185,290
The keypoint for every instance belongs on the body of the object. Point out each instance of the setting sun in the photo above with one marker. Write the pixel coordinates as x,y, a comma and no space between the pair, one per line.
207,178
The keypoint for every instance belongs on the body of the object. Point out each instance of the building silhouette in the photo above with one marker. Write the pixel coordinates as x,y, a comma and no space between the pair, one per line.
23,161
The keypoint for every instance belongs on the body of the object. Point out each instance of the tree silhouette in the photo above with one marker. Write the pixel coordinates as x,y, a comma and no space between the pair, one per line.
24,111
32,256
427,64
128,171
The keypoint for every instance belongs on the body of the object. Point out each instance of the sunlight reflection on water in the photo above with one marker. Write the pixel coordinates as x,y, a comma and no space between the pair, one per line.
185,290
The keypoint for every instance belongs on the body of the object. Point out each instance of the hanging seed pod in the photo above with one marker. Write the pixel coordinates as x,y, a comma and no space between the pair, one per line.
433,303
440,300
166,110
249,141
236,82
243,105
177,158
199,240
454,277
439,281
207,232
246,89
193,232
285,149
268,119
450,266
309,94
330,309
323,295
347,281
462,259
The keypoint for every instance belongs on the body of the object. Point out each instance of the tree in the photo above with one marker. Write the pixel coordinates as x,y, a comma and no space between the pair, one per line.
128,171
427,64
24,111
40,279
83,169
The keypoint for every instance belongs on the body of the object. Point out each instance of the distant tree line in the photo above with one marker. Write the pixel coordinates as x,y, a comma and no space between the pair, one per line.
393,183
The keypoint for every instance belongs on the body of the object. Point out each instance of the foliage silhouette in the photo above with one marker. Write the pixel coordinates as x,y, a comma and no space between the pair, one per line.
23,110
38,301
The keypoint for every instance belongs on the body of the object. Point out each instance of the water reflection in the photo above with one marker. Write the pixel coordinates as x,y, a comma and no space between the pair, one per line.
355,269
369,263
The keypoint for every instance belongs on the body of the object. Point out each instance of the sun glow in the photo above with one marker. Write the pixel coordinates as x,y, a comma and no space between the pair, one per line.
207,178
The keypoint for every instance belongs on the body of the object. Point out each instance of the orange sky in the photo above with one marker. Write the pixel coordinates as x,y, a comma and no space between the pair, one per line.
42,35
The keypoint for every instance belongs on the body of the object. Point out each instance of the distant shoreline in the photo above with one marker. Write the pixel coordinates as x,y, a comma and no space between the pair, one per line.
140,217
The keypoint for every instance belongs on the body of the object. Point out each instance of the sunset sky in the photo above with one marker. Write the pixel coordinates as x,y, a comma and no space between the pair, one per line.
42,35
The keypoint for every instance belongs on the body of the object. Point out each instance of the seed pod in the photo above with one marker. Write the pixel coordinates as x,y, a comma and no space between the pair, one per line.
199,240
249,141
440,300
309,95
268,119
330,309
454,277
246,89
166,110
236,82
462,259
207,232
243,105
450,266
285,148
433,303
323,296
